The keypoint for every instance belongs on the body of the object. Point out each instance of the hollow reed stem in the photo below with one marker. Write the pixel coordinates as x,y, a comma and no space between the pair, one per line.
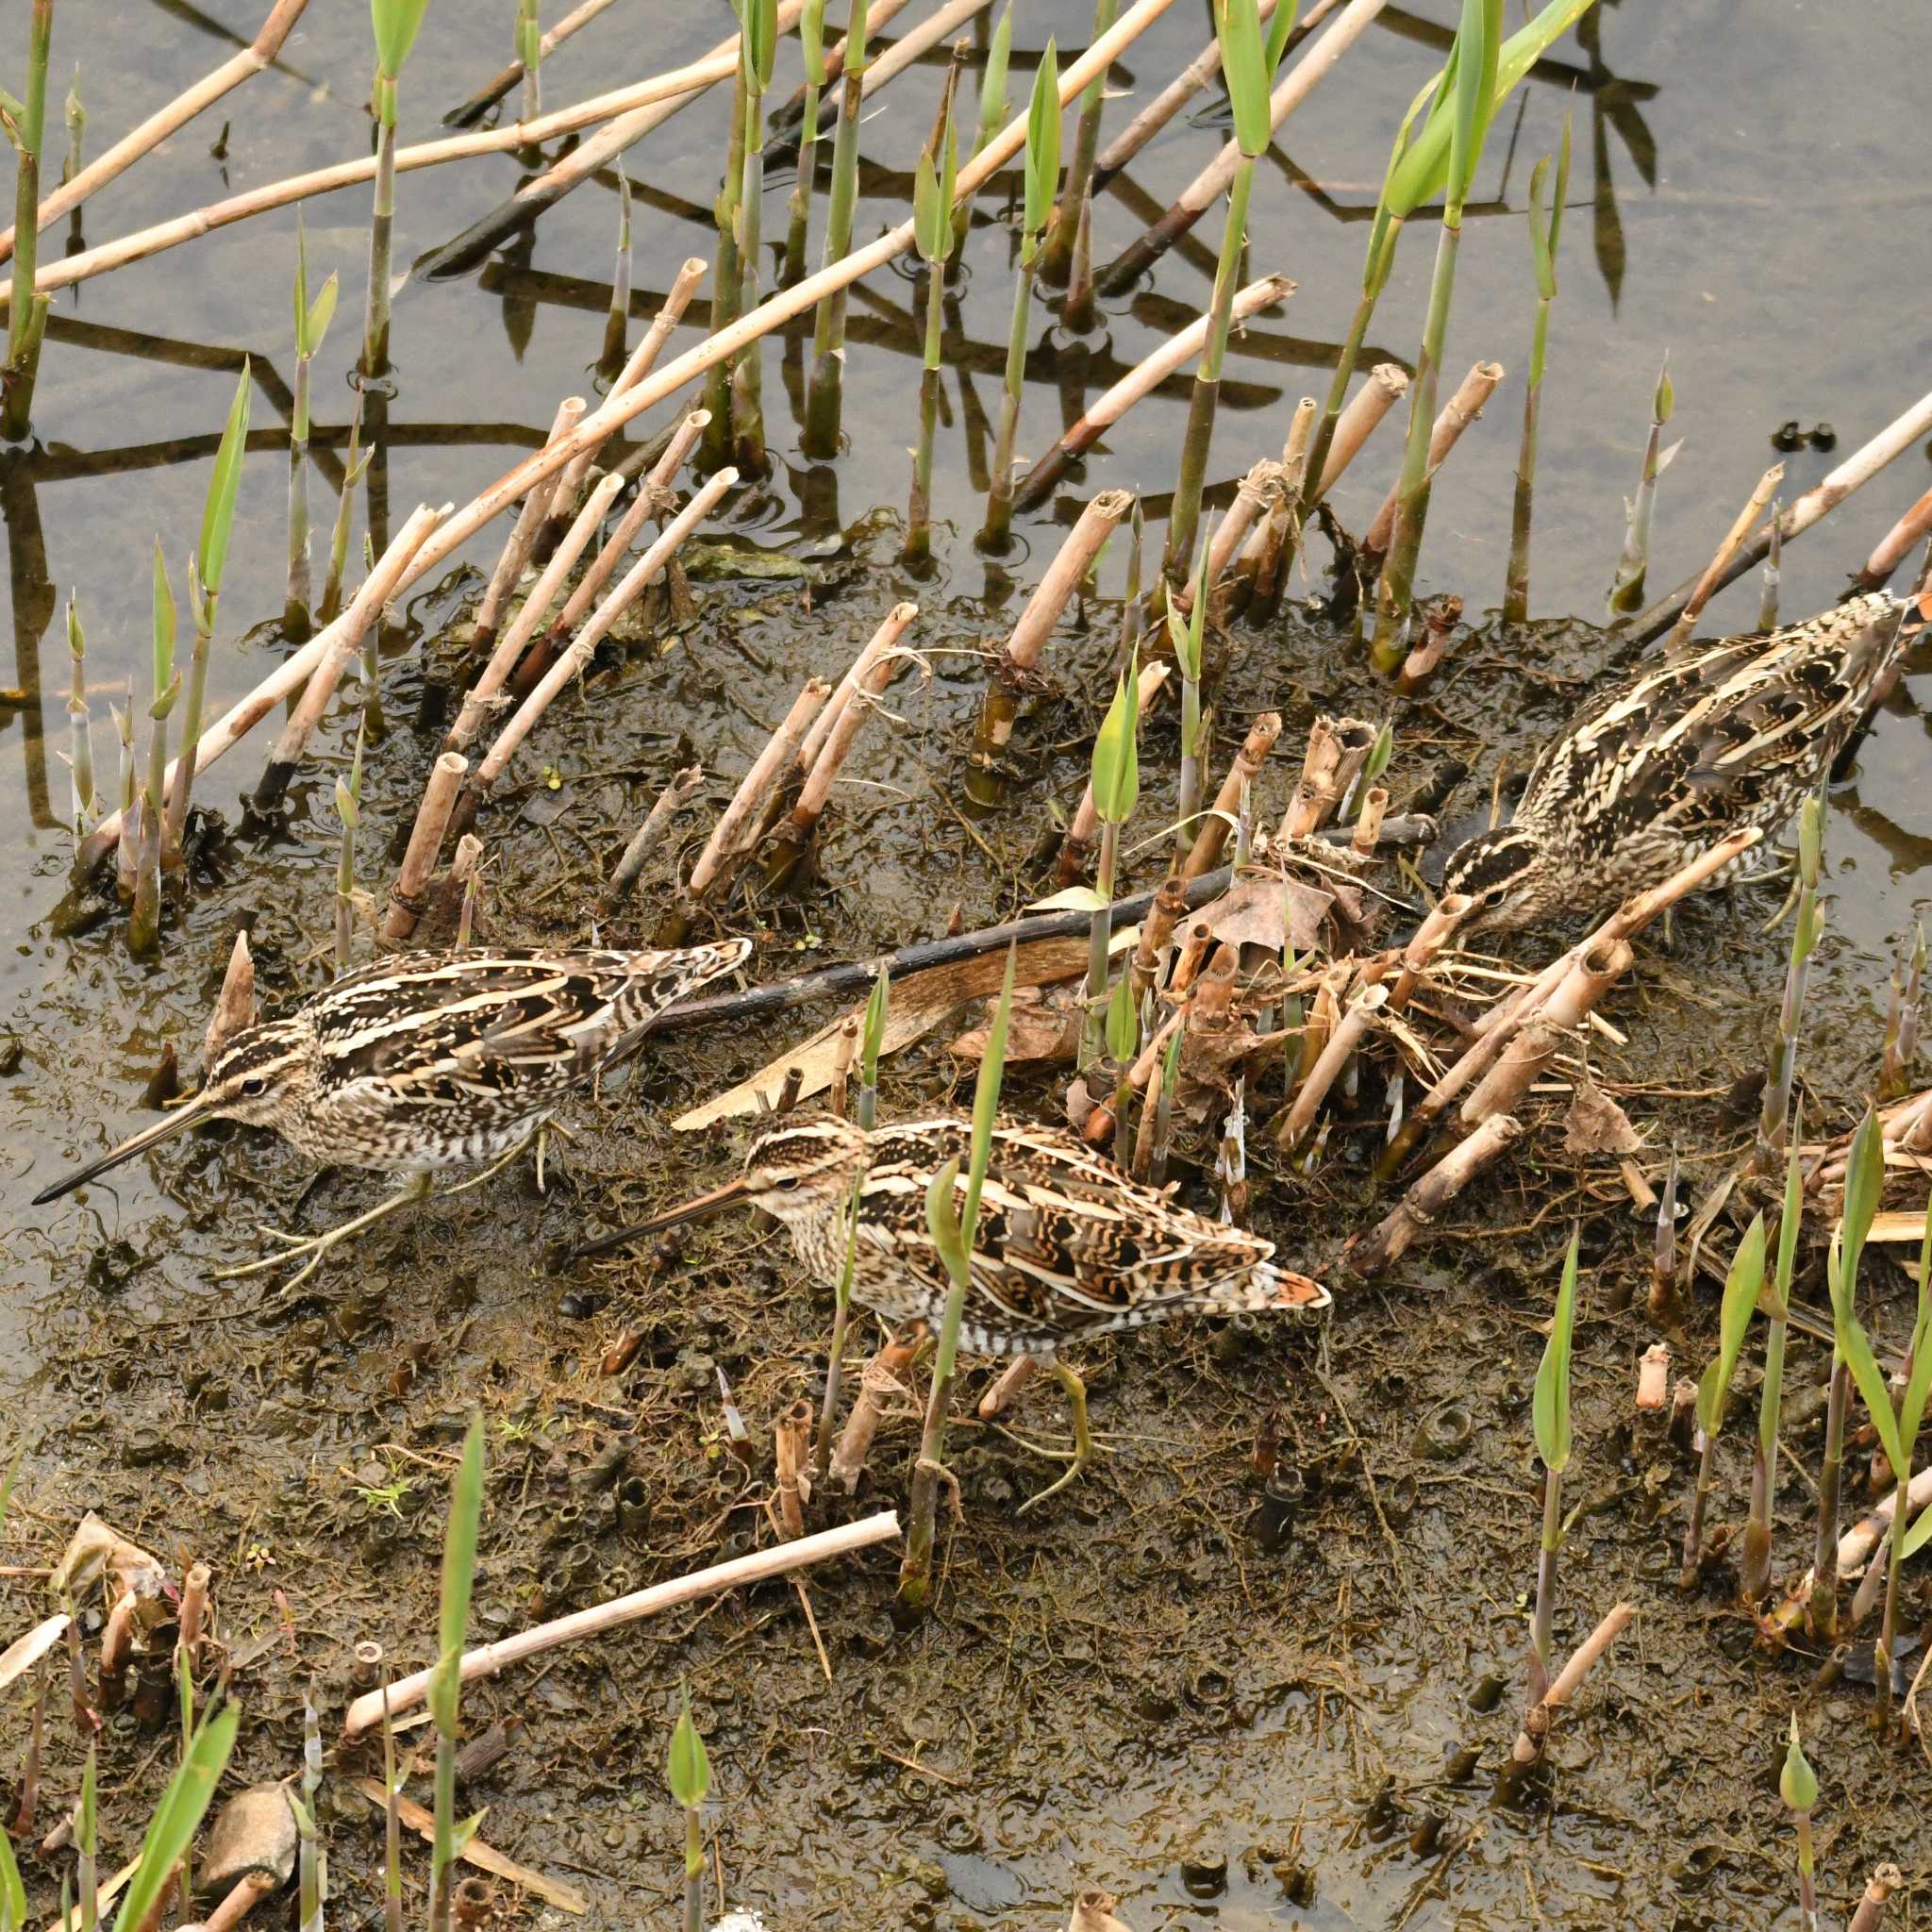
376,321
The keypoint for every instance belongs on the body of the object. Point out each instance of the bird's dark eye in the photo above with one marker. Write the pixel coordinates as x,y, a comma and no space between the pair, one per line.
255,1086
789,1180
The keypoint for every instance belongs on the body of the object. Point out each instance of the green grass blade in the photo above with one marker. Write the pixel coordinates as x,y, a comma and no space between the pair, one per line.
1551,1401
1742,1287
396,24
224,486
1042,141
458,1577
179,1814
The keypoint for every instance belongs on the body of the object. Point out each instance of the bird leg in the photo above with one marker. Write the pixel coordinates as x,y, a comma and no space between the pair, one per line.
1083,1437
316,1246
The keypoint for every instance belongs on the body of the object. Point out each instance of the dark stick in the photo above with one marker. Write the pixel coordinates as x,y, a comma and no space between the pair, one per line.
854,976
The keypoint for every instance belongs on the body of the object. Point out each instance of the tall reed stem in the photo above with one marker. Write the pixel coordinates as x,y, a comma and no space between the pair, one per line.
727,281
1822,1616
26,313
1545,229
1754,1565
757,48
1806,926
824,399
811,30
382,222
1626,591
1057,262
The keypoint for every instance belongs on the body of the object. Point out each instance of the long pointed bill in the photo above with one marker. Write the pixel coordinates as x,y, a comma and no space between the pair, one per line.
694,1209
164,1129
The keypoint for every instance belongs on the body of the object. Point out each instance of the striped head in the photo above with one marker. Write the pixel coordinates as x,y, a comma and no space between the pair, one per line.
264,1077
800,1166
1508,878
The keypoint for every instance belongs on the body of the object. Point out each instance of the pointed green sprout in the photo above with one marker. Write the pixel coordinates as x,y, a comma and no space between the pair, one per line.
1123,1021
871,1045
396,24
458,1577
1245,65
1742,1287
688,1769
224,484
992,80
312,318
933,189
12,1890
1116,753
1042,144
183,1804
1797,1783
1552,1399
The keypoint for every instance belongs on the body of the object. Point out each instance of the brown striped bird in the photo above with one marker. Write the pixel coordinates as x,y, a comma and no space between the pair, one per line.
1068,1245
1660,765
429,1061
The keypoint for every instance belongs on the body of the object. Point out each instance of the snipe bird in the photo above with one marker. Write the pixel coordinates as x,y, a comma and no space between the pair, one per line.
1660,765
1068,1245
429,1061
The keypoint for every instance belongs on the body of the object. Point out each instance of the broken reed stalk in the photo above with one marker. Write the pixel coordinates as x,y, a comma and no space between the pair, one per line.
1545,232
1211,183
523,721
407,1692
1210,839
1181,89
1533,1044
1254,493
1425,942
1883,1882
1714,570
1896,544
1441,616
823,404
886,638
1015,667
1343,1043
1146,375
1418,1209
345,639
1083,830
1268,557
594,429
722,857
795,834
26,320
1457,413
645,840
1386,385
523,536
791,1453
406,904
1530,1740
878,1382
78,185
1041,172
1627,591
482,697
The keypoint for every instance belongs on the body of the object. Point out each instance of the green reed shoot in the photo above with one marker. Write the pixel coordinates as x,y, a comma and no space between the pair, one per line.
871,1043
1545,228
25,123
1742,1287
77,132
1056,261
1626,591
354,461
349,809
1116,778
811,41
530,54
1381,751
1753,1564
86,804
311,324
824,400
1248,64
1466,102
1186,639
396,24
311,1880
1123,1044
12,1888
1807,927
127,793
842,1321
1767,602
933,183
1551,1410
1417,174
1043,176
87,1836
205,569
1901,1045
758,49
1897,1424
726,277
688,1773
953,1226
445,1682
1797,1785
144,923
391,1824
617,322
177,1817
992,106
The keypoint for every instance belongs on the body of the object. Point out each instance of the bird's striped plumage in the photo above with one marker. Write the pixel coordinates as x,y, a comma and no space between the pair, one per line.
1658,766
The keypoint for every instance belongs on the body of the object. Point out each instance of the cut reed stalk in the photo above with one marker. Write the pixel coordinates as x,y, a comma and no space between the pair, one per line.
1458,412
1627,591
1897,546
1528,1747
523,537
886,638
1210,837
406,903
794,836
1267,558
1015,667
1360,1014
1714,570
1870,1915
823,396
1429,1194
724,856
648,836
1142,379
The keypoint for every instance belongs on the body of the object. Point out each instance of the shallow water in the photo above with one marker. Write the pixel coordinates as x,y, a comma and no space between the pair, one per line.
1746,195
